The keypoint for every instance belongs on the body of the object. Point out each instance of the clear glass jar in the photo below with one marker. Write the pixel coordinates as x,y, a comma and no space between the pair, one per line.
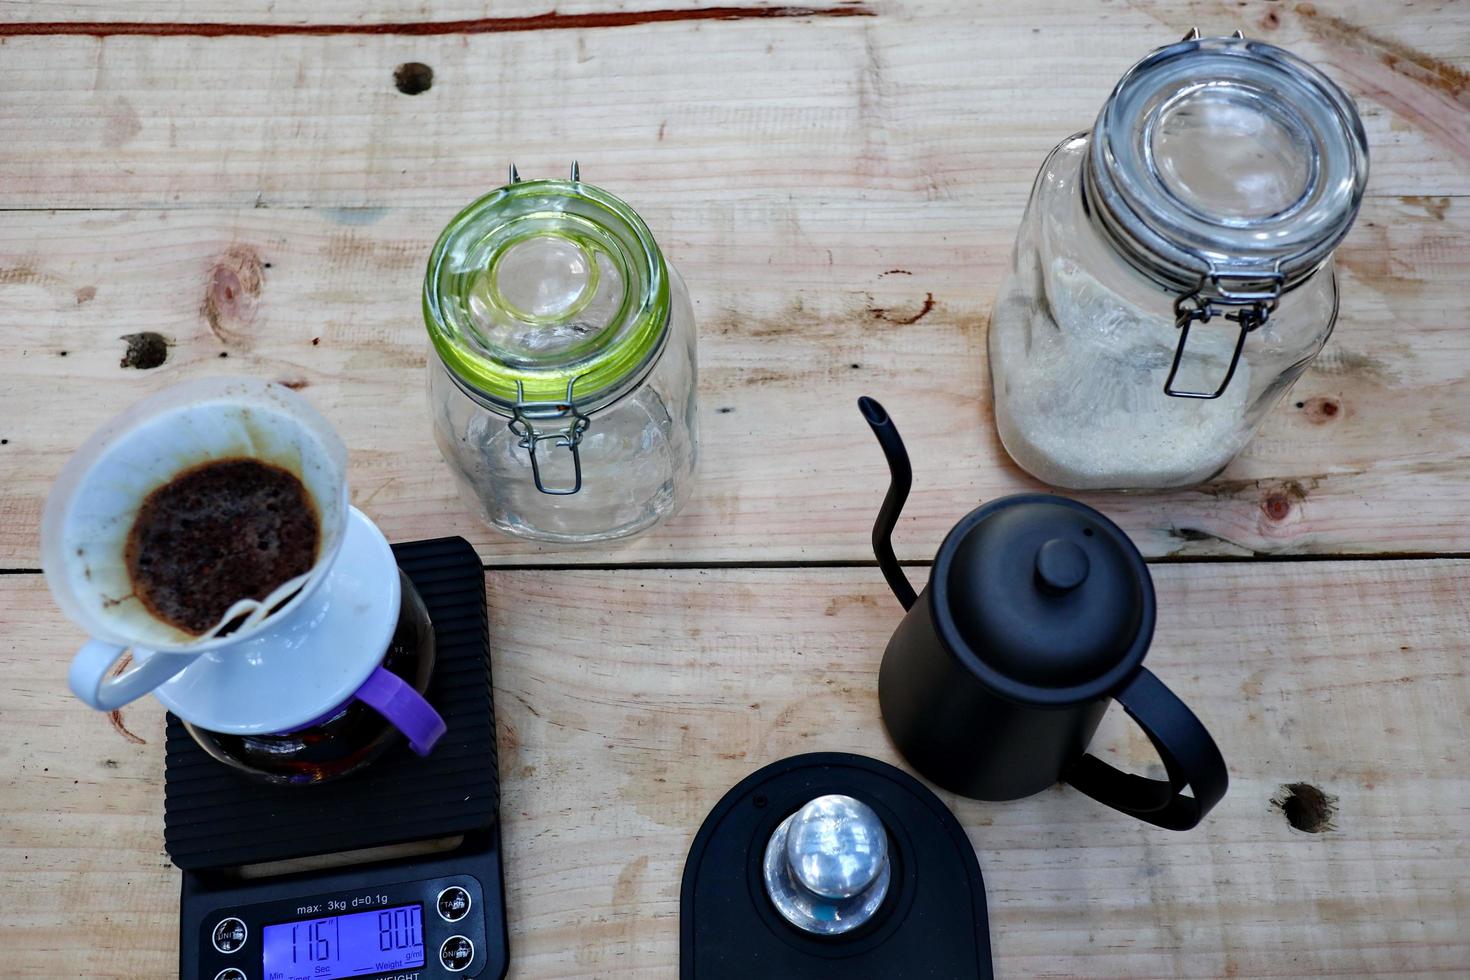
564,387
1172,276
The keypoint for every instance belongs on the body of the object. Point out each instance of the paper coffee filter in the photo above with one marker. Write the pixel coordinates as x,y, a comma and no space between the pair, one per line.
95,501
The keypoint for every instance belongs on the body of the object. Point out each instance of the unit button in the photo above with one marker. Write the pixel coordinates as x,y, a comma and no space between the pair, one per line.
230,973
454,903
229,935
456,953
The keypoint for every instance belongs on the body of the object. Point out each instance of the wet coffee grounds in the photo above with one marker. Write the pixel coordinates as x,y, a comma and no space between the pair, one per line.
216,533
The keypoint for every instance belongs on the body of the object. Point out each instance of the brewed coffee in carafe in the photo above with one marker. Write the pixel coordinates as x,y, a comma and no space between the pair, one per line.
347,737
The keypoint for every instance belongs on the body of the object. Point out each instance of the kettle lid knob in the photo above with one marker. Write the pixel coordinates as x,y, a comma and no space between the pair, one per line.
827,867
1061,566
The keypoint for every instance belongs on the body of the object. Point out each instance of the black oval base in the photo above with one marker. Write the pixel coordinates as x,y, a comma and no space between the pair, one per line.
933,923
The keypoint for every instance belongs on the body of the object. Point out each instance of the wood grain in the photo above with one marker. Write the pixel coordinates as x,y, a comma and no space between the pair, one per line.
919,102
803,305
630,700
552,20
372,12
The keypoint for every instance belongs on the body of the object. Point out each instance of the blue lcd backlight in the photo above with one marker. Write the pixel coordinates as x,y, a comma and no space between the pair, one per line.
342,946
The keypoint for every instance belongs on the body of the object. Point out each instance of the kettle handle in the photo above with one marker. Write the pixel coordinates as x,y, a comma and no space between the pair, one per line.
901,479
1190,757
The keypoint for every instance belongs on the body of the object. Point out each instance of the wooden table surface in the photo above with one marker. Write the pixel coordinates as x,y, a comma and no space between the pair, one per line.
840,184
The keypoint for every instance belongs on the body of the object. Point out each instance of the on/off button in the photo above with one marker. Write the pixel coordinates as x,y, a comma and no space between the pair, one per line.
457,953
454,903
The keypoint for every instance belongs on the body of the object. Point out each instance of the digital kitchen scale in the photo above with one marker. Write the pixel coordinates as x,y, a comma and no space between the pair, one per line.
392,873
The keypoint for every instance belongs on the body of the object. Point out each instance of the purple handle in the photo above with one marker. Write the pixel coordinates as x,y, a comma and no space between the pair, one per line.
396,700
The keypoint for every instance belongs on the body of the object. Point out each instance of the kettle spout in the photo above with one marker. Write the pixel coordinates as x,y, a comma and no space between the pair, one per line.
901,479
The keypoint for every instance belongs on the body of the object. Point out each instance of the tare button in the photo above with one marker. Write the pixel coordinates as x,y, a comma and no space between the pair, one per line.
454,903
229,935
456,953
230,973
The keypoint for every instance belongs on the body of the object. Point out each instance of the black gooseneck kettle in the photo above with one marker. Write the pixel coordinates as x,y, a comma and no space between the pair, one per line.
1038,612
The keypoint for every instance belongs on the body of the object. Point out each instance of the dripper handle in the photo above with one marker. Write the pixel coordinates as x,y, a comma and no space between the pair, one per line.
91,674
901,480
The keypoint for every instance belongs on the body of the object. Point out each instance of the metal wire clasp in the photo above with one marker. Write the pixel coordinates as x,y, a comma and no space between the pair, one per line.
1254,300
515,175
569,436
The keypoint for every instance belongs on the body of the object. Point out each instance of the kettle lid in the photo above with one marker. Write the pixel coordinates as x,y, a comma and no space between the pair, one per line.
1048,599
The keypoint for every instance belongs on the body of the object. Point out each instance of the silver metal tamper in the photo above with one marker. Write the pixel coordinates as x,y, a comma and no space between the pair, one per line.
826,866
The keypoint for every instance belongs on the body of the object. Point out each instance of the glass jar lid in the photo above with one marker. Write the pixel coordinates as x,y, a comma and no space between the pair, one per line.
547,291
1220,160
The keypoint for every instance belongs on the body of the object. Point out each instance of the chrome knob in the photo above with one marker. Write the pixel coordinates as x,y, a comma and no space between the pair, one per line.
836,846
826,867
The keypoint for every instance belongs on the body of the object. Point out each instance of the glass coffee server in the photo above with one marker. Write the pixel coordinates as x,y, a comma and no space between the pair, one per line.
1172,276
564,387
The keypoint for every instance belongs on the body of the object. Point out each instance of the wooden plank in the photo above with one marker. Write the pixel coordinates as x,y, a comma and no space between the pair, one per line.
1406,18
629,701
803,306
919,102
1405,14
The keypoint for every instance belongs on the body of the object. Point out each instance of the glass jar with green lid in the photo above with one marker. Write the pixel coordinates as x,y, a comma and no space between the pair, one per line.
564,386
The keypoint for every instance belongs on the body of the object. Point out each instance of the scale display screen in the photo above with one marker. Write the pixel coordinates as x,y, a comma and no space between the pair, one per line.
341,946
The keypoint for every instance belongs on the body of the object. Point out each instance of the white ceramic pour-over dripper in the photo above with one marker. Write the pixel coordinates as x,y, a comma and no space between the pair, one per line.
95,500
